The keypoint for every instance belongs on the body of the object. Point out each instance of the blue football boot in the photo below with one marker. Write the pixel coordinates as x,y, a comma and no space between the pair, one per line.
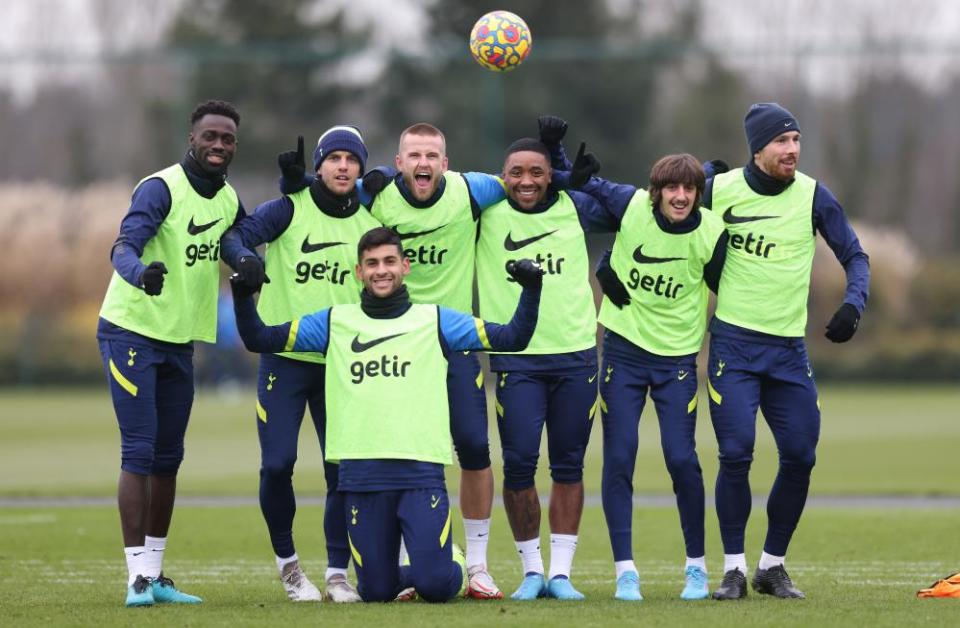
560,588
696,587
628,587
164,592
532,587
140,593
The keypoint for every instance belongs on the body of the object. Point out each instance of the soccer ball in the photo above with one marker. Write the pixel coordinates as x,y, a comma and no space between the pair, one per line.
500,41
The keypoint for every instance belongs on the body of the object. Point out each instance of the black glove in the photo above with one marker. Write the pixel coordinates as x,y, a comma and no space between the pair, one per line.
374,181
584,167
240,289
552,129
151,279
610,282
843,324
528,273
714,167
292,165
251,271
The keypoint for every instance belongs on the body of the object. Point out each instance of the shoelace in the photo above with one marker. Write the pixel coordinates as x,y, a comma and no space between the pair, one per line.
629,577
165,581
731,577
696,575
779,572
293,578
140,584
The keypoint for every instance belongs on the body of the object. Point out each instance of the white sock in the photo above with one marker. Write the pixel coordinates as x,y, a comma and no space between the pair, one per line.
154,556
402,558
562,549
136,559
334,571
283,562
735,561
478,534
623,566
697,562
530,556
769,560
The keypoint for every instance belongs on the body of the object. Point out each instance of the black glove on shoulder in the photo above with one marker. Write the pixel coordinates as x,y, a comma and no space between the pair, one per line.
151,279
714,167
843,324
584,166
291,162
552,129
610,283
374,182
251,271
527,273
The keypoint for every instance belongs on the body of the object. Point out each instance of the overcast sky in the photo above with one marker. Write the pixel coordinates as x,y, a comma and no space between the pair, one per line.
824,43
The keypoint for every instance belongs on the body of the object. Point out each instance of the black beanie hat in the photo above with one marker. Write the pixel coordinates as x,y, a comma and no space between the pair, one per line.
765,121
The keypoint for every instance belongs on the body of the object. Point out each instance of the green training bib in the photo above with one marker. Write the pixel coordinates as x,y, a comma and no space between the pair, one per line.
311,265
554,239
188,244
663,273
766,277
438,240
386,385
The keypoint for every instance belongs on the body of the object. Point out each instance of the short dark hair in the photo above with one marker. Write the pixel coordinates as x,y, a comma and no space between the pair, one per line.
378,236
528,144
423,128
682,168
217,108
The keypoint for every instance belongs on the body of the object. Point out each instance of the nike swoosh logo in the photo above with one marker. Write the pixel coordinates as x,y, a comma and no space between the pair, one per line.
590,381
195,229
683,377
360,347
640,258
435,503
515,245
316,246
414,234
730,219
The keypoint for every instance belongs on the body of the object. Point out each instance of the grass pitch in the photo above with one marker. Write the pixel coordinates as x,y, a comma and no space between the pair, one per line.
890,440
64,565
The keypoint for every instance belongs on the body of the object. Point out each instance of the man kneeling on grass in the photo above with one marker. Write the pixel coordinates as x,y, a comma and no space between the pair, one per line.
388,423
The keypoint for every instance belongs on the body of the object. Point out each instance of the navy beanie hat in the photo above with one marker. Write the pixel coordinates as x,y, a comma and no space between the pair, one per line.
765,121
341,137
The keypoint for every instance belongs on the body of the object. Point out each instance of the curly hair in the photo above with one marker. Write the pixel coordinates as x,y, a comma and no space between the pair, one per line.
217,108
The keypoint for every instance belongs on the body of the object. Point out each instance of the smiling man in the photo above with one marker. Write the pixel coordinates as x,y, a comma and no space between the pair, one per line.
553,382
668,252
311,238
758,358
435,212
388,417
162,297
